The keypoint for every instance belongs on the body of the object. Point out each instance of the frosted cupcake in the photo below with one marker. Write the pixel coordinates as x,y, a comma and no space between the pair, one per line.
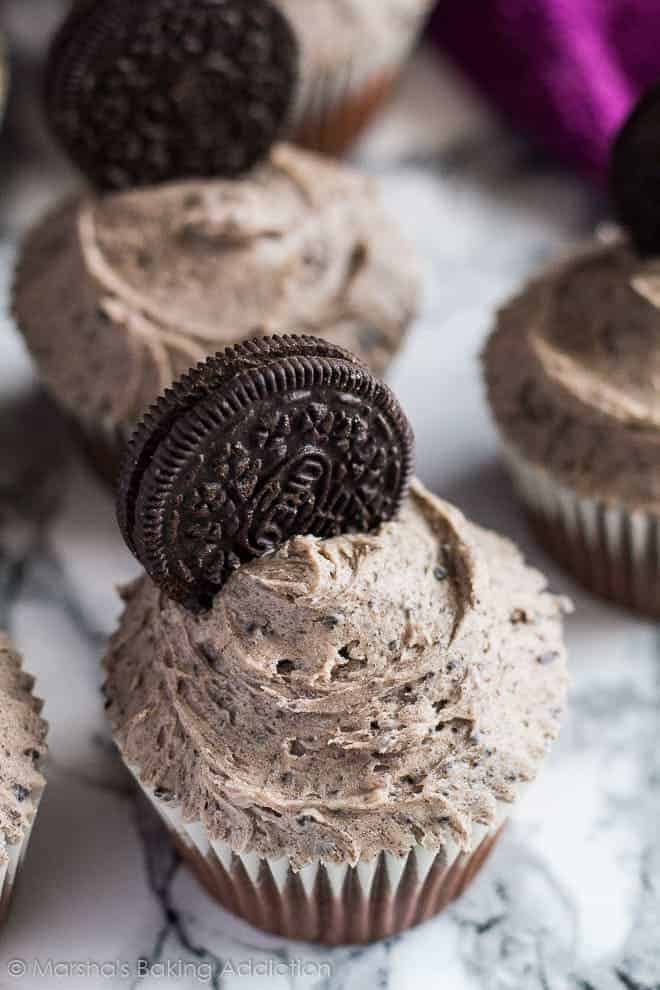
216,236
573,374
351,55
118,295
332,687
23,742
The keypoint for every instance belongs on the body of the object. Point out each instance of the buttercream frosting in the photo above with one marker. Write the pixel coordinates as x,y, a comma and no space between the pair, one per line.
346,696
573,372
119,295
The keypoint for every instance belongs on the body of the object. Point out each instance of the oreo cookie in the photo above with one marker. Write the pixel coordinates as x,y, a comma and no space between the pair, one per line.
635,173
157,90
273,438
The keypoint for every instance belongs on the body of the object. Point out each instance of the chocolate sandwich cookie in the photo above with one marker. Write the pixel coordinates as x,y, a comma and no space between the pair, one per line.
140,93
278,437
184,393
635,176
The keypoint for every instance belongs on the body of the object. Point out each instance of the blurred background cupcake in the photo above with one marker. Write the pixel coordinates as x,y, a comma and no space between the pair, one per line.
352,52
215,237
22,738
573,376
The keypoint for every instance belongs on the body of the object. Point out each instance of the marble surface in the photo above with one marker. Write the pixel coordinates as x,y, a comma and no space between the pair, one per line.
571,898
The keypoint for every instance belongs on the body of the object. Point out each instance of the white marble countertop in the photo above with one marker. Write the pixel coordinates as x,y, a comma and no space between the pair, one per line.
571,898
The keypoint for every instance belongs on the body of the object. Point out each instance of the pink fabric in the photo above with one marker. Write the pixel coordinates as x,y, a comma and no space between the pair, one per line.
565,71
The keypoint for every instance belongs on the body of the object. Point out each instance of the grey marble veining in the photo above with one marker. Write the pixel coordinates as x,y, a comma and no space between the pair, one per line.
571,898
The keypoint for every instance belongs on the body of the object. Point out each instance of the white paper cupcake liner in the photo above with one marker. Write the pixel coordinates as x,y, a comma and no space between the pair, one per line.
612,550
330,903
334,105
13,848
13,855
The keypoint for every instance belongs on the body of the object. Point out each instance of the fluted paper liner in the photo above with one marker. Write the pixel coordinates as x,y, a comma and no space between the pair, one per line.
329,903
611,550
14,855
335,104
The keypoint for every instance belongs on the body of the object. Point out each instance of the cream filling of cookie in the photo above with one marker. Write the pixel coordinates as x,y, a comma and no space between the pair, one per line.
119,295
346,696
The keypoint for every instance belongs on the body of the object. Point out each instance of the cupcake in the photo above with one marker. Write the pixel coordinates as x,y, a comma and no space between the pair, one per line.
573,376
351,54
22,737
332,687
117,293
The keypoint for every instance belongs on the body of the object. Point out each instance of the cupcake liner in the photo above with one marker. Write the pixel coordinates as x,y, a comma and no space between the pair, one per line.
334,105
13,856
28,788
337,110
612,550
329,903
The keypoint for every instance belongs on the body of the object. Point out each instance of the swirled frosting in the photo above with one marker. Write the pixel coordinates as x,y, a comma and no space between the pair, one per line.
119,295
573,373
22,741
346,696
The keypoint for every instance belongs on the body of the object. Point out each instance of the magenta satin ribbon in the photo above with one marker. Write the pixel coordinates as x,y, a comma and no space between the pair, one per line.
564,71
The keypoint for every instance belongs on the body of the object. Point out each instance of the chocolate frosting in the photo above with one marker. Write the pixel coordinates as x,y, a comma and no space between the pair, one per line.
22,741
573,373
119,295
346,696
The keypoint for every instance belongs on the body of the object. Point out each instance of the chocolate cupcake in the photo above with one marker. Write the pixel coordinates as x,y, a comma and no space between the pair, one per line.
573,374
351,55
331,685
22,737
118,295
